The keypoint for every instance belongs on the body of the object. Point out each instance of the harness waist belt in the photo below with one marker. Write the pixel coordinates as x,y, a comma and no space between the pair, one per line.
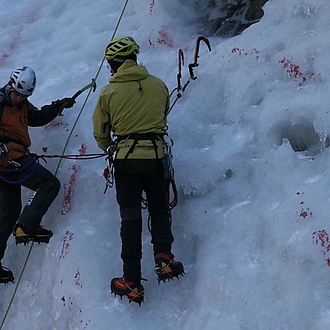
141,149
141,136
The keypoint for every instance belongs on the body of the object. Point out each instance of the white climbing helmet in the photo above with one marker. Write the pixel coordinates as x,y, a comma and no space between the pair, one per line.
23,80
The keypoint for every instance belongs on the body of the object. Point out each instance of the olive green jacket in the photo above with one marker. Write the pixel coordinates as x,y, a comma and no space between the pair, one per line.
133,102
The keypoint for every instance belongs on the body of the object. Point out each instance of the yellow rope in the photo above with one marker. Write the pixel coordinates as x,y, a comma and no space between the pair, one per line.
89,92
58,166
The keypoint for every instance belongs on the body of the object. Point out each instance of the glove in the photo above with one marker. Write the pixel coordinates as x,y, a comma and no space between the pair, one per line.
67,102
12,150
64,103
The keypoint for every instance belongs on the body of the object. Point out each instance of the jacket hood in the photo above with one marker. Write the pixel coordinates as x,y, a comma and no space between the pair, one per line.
129,71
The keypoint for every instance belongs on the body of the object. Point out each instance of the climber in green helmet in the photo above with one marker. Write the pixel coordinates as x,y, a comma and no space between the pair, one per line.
131,113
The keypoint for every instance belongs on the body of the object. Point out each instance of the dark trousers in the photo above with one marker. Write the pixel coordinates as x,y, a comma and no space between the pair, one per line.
132,177
38,179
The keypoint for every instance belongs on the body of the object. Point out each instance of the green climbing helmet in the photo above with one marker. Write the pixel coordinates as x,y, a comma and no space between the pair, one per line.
121,47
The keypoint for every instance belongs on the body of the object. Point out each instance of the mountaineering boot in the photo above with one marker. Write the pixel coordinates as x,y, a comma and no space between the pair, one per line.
166,267
6,275
25,234
133,291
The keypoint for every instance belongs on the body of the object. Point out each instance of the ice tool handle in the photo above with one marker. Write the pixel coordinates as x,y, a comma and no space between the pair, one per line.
179,75
196,55
90,85
191,67
194,64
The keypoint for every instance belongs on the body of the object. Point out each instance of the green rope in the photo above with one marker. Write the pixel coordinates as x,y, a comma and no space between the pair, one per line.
58,166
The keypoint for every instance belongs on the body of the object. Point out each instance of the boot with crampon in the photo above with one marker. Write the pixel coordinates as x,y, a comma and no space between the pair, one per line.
133,291
6,275
25,234
166,267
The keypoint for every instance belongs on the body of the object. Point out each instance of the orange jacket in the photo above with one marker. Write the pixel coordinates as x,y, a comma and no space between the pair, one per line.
14,123
15,120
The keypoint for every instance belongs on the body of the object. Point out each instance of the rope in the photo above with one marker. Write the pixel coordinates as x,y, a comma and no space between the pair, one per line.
57,168
32,163
76,157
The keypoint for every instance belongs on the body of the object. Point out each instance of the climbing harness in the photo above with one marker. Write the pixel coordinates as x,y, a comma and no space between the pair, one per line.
169,178
5,152
16,167
108,172
191,67
31,164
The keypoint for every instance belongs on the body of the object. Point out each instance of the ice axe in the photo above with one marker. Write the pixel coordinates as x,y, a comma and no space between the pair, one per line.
90,85
194,64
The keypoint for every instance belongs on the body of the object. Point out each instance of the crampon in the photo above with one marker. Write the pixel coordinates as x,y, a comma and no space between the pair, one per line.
134,292
167,268
6,275
25,234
